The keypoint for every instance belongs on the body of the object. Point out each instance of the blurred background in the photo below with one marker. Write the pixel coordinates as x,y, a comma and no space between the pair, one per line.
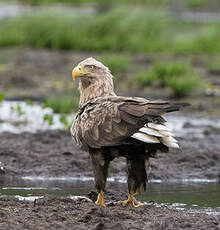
154,48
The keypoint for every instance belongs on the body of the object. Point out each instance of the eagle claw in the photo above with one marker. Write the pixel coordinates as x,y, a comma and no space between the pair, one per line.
130,203
98,203
100,200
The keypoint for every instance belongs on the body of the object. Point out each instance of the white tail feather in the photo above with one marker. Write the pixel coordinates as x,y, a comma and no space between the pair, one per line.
166,133
170,139
152,132
170,142
156,133
145,138
158,126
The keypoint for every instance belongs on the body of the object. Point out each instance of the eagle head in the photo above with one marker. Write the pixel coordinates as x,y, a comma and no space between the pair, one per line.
90,69
95,80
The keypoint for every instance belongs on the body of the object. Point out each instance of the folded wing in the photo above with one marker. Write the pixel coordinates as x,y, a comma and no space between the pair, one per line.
109,121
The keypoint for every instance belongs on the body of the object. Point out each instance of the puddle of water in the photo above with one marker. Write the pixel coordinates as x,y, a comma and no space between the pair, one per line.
31,118
190,196
28,198
185,196
197,127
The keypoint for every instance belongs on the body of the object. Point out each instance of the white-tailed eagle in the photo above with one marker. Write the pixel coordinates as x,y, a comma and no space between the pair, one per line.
109,126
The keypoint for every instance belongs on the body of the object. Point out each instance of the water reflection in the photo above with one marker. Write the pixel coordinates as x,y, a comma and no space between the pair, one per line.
190,196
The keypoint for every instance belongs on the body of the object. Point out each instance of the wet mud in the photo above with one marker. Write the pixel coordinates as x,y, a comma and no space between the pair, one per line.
54,154
64,213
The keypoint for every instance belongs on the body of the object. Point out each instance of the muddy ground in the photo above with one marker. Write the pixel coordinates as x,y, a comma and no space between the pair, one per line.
31,74
53,153
63,213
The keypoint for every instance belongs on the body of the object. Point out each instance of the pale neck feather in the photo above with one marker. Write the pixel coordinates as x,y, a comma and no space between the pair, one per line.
102,87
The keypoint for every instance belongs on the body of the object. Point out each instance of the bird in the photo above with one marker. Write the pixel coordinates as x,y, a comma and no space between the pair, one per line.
110,126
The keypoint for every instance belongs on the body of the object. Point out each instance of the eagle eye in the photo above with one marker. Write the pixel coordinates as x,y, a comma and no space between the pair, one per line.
90,67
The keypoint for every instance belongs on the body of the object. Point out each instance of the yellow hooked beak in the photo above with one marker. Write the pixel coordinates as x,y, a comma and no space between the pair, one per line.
78,71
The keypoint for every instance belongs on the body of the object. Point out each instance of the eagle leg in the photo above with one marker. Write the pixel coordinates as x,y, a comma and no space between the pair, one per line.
137,178
100,170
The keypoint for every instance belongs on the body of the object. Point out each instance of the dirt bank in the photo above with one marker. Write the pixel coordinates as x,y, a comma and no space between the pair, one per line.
64,213
53,153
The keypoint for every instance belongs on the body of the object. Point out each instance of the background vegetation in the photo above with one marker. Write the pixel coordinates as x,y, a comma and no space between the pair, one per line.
116,30
193,4
177,76
180,45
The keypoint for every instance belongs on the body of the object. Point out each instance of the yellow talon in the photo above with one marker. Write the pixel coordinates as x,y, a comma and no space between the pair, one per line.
131,202
100,200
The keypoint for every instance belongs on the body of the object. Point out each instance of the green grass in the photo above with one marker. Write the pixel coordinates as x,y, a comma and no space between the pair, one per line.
193,4
196,4
48,118
29,102
144,78
130,29
64,121
182,85
17,109
205,41
62,104
1,97
117,63
177,76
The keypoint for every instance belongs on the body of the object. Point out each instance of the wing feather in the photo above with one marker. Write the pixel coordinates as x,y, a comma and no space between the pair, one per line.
126,117
110,121
133,109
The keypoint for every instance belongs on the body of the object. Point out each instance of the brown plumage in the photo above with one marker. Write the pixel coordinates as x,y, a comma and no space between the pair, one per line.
110,126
